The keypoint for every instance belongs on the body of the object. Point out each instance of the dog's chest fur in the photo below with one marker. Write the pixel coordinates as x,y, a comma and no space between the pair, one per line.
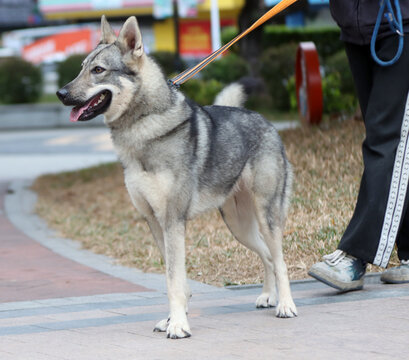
148,182
158,173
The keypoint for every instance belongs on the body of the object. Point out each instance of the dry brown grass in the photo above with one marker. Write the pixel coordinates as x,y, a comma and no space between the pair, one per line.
92,206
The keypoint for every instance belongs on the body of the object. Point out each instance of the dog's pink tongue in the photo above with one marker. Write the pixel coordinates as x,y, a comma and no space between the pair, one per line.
76,113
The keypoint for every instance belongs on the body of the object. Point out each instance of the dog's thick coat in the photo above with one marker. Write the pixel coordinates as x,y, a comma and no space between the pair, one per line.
181,159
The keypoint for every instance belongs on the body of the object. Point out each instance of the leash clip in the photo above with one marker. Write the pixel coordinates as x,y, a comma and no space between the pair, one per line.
399,33
173,85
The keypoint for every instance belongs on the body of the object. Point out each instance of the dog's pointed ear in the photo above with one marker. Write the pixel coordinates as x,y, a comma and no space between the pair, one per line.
130,37
107,34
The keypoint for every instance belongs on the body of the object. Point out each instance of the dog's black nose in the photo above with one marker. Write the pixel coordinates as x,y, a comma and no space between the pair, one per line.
62,94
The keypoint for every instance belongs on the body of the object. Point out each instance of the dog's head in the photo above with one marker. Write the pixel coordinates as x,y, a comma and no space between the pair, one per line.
110,75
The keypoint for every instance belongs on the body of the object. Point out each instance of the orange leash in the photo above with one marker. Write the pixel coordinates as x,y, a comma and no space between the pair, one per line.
187,74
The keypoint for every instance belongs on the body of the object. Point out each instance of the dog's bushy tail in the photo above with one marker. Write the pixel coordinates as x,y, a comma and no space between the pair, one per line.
232,95
236,94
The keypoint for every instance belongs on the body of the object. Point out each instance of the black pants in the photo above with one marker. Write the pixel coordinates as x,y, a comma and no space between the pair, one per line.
381,217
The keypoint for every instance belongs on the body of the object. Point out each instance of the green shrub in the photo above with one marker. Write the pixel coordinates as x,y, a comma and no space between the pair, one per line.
292,93
260,102
335,100
20,81
277,68
229,33
338,85
326,39
192,87
201,91
227,69
338,63
69,68
167,61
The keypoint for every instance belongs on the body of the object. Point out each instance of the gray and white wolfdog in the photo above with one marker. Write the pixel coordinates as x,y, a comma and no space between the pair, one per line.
181,159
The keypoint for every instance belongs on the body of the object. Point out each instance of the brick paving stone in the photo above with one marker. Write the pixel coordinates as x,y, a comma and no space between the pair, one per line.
29,271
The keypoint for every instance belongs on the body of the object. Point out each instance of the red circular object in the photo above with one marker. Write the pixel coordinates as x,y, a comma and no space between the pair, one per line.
308,83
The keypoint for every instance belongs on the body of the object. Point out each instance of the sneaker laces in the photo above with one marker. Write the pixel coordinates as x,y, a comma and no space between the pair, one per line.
336,257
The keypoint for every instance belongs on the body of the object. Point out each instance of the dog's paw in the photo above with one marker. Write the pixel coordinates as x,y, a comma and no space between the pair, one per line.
178,330
266,300
162,325
286,309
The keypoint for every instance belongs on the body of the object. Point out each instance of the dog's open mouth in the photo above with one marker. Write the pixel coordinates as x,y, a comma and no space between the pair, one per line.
92,108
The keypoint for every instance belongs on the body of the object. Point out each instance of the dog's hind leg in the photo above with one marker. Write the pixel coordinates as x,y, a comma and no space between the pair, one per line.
239,215
271,226
157,234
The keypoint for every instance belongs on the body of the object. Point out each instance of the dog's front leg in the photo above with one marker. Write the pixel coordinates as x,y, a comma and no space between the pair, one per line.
174,236
157,233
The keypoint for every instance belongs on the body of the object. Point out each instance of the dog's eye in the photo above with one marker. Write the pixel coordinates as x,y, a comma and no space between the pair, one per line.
98,70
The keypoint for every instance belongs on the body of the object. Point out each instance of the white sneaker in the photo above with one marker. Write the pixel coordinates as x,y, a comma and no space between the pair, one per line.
340,270
398,274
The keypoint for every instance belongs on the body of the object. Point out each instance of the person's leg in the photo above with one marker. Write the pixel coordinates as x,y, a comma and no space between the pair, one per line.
402,241
360,63
374,226
339,270
400,274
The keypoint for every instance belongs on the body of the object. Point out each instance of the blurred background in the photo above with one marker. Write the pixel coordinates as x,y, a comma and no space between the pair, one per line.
43,42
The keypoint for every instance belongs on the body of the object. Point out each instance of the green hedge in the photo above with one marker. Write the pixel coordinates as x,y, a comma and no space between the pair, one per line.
277,63
338,85
338,62
227,69
229,33
69,69
20,81
326,39
277,68
167,62
201,91
277,71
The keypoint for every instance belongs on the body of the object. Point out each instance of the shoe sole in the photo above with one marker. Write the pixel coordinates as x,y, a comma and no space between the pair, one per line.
341,286
386,281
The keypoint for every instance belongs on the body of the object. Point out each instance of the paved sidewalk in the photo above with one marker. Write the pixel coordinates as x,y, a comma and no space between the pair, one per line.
31,153
61,302
30,271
